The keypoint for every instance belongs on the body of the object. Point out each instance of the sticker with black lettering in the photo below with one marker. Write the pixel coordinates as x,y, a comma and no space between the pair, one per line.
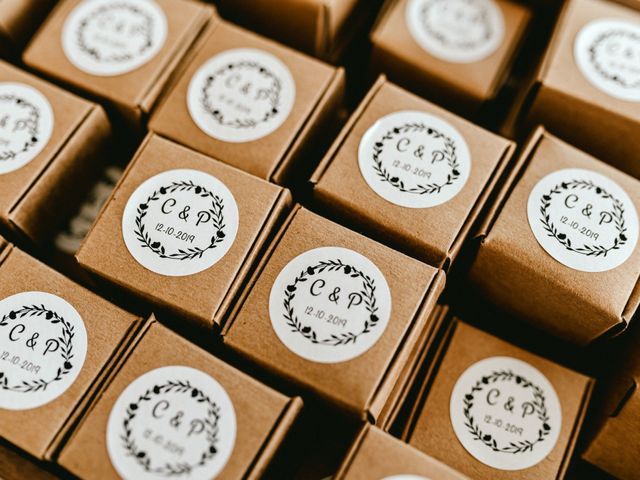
607,52
180,222
583,219
43,345
26,124
414,159
112,37
241,95
456,31
330,304
171,422
505,413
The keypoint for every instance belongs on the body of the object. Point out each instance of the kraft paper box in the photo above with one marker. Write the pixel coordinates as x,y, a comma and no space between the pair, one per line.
121,53
57,341
586,90
49,141
182,230
376,454
18,20
411,174
336,313
455,53
173,409
15,465
252,103
560,247
502,412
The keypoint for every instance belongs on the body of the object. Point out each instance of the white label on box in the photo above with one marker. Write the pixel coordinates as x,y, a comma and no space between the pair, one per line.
457,31
180,222
583,219
608,54
505,413
26,124
171,422
330,305
414,159
112,37
43,345
241,95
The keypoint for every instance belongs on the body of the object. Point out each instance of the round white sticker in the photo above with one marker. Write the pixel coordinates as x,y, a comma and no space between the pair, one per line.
43,345
26,124
505,413
608,54
112,37
583,219
173,421
457,31
180,222
330,304
414,159
241,95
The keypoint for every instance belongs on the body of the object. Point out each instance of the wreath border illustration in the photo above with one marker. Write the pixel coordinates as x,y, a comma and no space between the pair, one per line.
539,408
446,42
32,125
66,349
563,239
419,189
593,57
142,458
156,246
274,99
368,293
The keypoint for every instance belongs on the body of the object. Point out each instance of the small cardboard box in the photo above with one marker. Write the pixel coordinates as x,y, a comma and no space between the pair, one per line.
47,321
338,314
462,72
251,103
49,144
376,454
127,68
587,286
18,20
432,233
15,465
262,416
474,379
586,90
196,285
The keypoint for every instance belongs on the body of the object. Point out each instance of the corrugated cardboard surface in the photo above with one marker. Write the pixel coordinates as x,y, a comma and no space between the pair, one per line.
516,273
35,429
430,234
433,429
361,385
263,416
204,296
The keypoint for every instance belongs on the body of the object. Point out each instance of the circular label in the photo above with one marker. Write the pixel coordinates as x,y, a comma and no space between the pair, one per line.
43,345
112,37
241,95
330,304
608,54
505,413
583,219
171,422
26,124
180,222
414,159
457,31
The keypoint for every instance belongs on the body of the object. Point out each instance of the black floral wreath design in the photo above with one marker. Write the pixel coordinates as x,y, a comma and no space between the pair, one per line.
539,405
564,240
465,45
593,57
211,429
367,292
32,122
66,348
428,188
207,102
217,219
115,58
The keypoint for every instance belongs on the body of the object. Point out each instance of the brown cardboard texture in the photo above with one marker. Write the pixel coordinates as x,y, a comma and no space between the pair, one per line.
14,465
18,19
